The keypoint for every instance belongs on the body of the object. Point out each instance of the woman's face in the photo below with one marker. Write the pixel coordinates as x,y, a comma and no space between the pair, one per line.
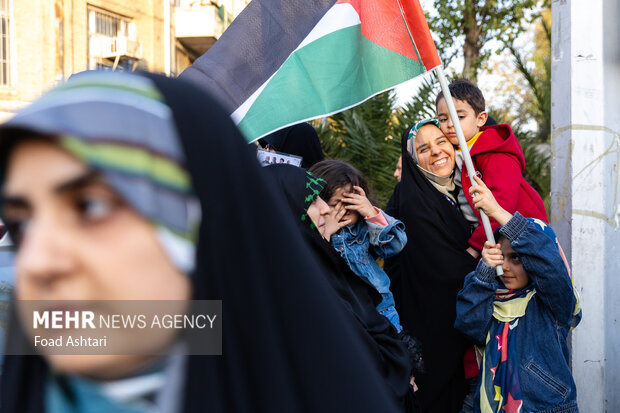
77,240
435,152
317,211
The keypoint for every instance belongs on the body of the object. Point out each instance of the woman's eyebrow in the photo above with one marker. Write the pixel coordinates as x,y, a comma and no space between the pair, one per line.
14,201
73,184
421,146
79,182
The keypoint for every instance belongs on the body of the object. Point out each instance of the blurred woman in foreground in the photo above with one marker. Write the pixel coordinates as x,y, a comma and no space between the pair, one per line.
139,187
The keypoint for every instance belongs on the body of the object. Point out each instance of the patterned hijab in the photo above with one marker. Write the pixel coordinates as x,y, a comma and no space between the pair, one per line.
300,188
314,187
121,127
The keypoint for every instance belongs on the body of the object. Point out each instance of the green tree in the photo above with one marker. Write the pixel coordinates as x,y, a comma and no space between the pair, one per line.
469,25
533,77
537,76
420,106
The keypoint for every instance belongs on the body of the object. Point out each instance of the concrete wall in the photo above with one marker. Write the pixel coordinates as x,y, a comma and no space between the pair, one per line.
611,76
586,185
33,54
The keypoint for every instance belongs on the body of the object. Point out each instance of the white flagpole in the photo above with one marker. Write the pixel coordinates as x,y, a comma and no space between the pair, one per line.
465,150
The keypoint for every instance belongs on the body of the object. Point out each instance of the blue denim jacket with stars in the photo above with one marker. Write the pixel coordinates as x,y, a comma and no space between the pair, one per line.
541,333
361,244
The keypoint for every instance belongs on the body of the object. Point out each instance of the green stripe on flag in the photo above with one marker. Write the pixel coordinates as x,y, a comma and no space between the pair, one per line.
332,73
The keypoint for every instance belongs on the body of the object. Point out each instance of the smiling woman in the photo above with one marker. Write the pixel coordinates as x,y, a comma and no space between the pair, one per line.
434,155
111,192
428,273
434,151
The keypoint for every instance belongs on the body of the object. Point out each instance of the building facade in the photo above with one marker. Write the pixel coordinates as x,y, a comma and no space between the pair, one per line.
43,42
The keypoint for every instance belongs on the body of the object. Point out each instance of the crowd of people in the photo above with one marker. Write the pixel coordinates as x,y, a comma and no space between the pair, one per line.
118,186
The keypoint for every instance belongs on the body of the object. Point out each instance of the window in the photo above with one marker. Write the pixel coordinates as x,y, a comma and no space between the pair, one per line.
5,61
106,31
109,25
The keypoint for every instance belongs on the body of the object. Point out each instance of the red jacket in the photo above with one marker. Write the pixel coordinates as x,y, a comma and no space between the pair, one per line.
498,156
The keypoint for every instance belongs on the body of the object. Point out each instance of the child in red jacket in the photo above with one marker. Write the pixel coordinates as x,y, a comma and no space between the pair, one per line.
498,157
496,154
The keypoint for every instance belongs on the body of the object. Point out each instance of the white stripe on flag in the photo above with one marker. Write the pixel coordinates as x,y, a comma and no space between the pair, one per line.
338,17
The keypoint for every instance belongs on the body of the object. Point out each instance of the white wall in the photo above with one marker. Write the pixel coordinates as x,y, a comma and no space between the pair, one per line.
586,185
611,45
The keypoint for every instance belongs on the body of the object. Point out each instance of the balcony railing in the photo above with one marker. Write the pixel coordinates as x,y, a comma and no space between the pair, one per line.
114,47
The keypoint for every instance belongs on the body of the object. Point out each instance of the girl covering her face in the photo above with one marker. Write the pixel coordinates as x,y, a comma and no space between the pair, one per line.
130,207
359,297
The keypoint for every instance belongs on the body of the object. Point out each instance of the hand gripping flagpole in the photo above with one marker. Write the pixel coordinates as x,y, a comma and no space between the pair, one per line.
459,134
465,150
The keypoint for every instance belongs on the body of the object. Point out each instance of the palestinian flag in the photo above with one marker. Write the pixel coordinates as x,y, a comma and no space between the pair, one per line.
286,61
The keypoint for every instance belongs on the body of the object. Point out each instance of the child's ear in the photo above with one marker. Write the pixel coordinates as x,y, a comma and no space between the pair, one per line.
481,119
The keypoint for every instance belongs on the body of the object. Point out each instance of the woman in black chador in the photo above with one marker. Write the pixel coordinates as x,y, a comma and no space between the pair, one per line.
360,298
426,277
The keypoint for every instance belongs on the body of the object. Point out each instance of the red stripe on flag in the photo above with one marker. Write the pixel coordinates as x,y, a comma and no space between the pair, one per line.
383,24
421,33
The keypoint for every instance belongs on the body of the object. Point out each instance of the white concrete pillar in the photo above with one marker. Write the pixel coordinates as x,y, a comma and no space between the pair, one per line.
585,206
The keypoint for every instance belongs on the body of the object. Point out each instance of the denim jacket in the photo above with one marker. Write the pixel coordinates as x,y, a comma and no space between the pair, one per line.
361,244
542,352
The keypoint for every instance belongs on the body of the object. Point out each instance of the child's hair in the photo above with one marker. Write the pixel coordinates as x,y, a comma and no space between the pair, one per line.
498,236
463,89
339,174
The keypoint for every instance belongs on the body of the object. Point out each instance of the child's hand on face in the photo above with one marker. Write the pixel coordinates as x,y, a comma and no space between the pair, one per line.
357,201
334,221
492,254
484,200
